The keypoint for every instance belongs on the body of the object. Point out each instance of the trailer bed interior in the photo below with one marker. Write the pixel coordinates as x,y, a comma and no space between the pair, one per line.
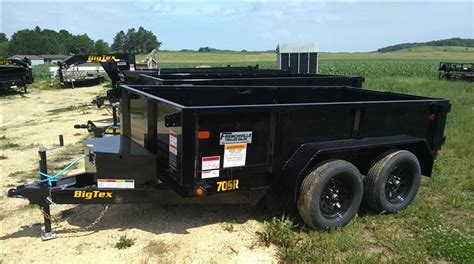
197,96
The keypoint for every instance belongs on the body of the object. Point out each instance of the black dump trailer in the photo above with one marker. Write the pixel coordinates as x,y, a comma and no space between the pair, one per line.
221,76
456,71
15,74
232,144
290,80
254,77
205,69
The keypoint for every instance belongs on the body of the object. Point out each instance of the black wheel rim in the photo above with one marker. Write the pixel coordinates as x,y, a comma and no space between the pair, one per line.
336,197
398,183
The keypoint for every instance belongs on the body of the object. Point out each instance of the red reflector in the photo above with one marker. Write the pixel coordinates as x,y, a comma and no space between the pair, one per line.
203,134
432,117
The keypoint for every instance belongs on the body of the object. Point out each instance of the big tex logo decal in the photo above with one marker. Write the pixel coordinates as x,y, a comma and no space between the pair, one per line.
99,58
87,195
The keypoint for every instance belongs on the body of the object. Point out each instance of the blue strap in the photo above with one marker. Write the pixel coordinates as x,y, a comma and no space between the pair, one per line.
56,177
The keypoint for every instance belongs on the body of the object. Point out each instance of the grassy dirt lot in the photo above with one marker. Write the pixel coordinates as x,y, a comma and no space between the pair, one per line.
437,227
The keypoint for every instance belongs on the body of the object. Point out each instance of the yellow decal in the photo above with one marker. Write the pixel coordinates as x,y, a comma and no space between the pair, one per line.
99,58
111,130
92,194
5,62
230,185
235,146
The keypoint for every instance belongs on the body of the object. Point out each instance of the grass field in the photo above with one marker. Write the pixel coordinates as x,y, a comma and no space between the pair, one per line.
439,225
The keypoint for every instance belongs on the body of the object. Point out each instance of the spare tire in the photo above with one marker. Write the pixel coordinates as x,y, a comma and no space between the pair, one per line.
330,195
392,182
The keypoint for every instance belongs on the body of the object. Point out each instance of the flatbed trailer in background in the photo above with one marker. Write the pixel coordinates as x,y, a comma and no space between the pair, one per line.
70,76
232,144
456,71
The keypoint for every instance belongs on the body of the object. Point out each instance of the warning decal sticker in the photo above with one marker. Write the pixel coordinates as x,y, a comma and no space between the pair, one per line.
235,137
235,155
209,174
173,150
211,163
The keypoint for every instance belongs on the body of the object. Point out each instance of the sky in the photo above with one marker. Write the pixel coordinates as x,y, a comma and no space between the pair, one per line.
337,26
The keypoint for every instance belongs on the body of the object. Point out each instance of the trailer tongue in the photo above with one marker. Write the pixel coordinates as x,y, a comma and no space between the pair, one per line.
231,144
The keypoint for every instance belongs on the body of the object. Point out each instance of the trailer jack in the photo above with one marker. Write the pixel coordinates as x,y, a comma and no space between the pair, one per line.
47,233
45,184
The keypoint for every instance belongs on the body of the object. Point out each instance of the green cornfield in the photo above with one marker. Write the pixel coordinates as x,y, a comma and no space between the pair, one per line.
368,68
372,67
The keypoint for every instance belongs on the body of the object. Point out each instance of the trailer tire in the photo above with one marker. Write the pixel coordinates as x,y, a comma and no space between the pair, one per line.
392,182
330,195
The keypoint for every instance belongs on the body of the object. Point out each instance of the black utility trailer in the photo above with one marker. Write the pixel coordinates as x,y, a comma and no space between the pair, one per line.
15,74
232,144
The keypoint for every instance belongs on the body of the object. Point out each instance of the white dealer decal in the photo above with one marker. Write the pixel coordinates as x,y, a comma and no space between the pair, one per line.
235,137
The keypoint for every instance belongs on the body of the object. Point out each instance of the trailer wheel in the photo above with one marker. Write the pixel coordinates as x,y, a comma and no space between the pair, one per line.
330,195
392,182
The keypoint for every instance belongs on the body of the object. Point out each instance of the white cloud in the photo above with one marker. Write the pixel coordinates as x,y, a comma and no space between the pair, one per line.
164,8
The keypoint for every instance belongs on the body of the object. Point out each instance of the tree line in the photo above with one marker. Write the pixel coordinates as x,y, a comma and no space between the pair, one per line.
135,41
39,41
460,42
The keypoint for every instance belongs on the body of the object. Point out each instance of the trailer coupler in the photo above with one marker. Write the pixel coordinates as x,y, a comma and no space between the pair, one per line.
99,131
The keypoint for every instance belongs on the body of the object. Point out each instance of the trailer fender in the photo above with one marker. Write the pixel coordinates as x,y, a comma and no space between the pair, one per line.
308,155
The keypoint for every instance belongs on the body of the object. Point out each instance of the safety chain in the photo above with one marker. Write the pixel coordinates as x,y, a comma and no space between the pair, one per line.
79,229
